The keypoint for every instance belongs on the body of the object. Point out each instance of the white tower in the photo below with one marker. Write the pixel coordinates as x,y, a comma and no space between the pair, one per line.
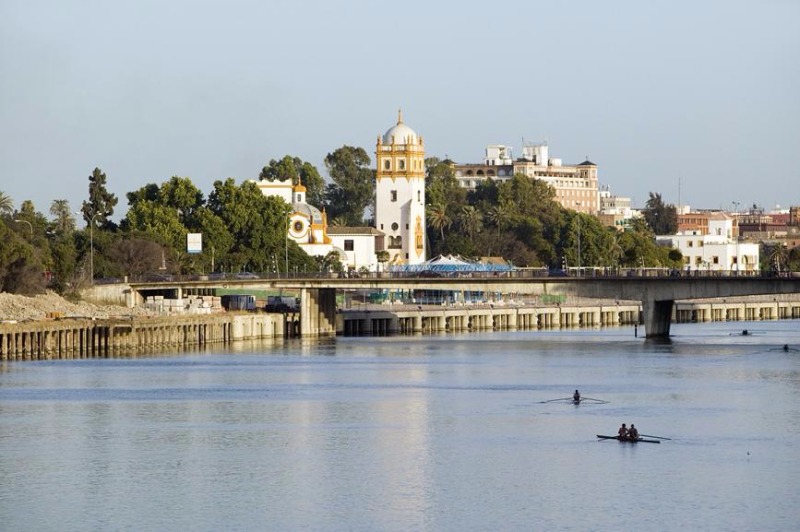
400,193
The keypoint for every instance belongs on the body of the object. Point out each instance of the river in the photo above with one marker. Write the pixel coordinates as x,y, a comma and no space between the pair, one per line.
448,432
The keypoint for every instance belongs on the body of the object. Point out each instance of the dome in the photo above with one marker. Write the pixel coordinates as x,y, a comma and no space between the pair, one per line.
310,212
401,133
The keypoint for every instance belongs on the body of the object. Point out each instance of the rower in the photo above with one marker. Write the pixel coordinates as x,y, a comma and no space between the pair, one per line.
633,433
623,432
786,347
576,396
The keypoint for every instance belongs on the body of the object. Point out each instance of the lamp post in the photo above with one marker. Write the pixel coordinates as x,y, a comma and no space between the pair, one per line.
91,247
286,241
25,222
736,221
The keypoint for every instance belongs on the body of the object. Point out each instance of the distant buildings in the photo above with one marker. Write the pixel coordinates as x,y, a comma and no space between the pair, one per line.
708,242
576,187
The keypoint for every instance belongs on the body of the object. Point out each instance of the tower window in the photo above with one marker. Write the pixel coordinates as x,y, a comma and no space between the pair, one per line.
394,195
419,196
395,226
402,164
386,164
348,245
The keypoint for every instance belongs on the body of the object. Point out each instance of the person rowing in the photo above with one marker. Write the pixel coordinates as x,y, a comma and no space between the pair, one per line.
633,433
622,433
576,396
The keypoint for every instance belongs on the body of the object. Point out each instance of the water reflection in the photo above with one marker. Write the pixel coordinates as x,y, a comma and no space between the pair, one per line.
445,432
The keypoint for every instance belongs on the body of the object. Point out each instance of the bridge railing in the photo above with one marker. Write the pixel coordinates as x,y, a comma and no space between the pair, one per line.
521,273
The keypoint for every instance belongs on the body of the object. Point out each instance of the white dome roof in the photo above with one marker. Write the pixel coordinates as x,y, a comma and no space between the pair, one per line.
401,133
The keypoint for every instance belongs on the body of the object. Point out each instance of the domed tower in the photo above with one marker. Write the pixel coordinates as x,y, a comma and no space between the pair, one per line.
400,193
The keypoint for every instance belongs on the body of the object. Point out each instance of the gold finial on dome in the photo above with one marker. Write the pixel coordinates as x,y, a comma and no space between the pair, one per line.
399,116
299,186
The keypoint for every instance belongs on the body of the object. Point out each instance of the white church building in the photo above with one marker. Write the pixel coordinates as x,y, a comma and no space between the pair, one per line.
399,209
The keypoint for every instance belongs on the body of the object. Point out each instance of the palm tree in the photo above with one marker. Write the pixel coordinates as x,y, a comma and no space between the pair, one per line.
471,220
779,256
63,215
500,214
438,218
6,204
339,221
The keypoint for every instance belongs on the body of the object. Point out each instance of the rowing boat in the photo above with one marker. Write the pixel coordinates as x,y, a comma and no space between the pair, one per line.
643,440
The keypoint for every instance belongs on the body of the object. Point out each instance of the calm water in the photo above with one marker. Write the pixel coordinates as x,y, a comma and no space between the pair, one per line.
412,433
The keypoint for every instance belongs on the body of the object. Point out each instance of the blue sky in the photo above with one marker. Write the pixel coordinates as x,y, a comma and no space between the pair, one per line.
701,93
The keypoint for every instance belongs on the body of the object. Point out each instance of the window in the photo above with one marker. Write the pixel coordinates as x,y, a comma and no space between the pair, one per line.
298,226
386,164
402,164
395,226
715,259
419,196
394,195
689,244
348,245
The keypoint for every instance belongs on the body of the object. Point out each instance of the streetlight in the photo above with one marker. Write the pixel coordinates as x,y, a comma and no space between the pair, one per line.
91,246
736,222
27,222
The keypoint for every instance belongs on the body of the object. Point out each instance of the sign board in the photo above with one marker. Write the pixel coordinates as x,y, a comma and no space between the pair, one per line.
194,243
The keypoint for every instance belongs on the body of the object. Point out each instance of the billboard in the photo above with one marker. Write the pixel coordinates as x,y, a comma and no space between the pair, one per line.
194,243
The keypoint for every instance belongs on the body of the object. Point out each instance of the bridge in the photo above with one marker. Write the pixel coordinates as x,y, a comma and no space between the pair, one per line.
657,291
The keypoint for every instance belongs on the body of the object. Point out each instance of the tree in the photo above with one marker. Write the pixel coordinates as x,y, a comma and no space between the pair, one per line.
500,215
383,257
100,207
179,193
438,218
662,218
257,224
6,204
298,171
64,219
353,187
20,267
471,220
136,256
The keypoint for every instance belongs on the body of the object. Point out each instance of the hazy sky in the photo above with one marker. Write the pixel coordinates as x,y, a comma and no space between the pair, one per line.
656,93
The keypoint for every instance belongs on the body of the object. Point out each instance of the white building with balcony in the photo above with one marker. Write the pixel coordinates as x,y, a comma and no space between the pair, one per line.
719,250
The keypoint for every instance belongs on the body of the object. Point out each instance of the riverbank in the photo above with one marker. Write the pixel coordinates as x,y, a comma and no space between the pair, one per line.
15,307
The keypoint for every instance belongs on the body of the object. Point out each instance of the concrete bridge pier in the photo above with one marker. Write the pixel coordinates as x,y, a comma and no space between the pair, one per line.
318,312
657,317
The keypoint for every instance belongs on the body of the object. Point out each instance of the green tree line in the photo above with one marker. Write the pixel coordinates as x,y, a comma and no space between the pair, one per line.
243,230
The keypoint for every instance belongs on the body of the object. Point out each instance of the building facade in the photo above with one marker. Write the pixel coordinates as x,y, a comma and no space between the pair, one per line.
715,247
308,227
576,187
400,193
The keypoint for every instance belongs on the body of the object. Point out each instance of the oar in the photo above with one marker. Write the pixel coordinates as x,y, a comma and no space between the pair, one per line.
656,437
562,399
592,399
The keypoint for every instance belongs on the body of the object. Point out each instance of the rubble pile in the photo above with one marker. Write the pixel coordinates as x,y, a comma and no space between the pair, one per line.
47,306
